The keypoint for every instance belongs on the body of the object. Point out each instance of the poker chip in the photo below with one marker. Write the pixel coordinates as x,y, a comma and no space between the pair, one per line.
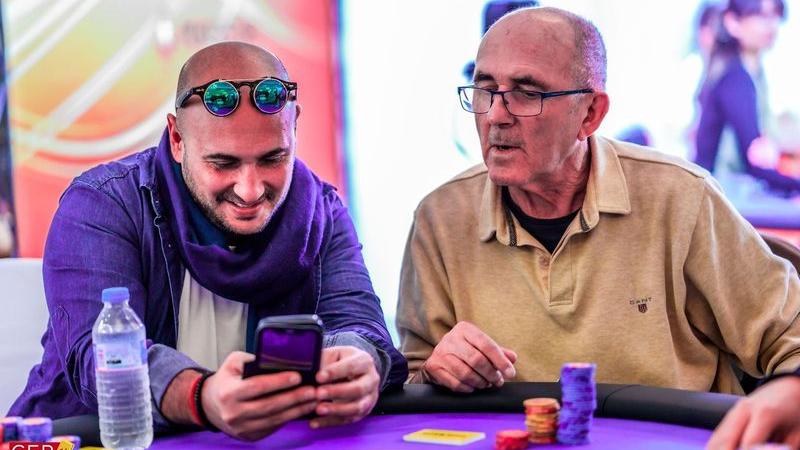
578,402
75,440
541,419
35,429
10,426
511,440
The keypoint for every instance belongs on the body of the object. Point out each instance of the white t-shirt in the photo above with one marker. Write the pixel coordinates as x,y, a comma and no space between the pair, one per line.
210,327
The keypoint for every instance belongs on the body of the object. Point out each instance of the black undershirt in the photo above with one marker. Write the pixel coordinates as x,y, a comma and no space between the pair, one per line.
546,231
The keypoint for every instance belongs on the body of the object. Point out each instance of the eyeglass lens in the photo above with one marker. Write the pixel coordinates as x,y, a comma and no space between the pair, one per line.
517,102
270,96
221,98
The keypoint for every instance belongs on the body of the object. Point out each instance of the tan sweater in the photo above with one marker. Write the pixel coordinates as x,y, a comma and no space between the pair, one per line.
658,279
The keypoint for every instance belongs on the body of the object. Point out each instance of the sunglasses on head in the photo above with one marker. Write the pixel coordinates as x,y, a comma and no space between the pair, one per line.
221,97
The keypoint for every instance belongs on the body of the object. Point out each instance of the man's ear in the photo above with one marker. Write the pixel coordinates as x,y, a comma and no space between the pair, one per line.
594,115
297,110
175,138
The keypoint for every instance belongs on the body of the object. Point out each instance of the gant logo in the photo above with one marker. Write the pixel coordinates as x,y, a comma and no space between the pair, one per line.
641,303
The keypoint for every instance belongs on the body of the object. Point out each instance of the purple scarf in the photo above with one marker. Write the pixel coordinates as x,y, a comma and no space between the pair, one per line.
273,271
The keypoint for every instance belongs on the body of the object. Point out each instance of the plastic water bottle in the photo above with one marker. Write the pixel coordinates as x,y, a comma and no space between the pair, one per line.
123,384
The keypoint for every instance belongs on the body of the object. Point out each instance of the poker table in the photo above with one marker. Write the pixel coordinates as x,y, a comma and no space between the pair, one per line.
627,417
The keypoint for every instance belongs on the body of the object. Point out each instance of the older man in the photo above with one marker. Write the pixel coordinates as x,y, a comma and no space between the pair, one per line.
216,227
567,246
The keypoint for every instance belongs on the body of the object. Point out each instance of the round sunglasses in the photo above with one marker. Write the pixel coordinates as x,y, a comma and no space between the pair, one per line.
221,97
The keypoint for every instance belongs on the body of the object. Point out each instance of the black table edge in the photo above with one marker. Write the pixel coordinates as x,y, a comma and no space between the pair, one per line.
621,401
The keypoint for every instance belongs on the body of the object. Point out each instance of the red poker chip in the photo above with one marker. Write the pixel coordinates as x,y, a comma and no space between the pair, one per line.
511,440
512,446
513,434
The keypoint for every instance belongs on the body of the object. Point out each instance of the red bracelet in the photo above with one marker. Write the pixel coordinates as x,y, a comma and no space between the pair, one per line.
192,404
198,403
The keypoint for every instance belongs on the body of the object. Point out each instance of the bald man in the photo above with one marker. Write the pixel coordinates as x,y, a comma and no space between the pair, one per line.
568,246
216,227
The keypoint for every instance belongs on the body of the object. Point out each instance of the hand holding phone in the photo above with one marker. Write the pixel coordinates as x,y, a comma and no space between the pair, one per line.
288,343
252,408
349,386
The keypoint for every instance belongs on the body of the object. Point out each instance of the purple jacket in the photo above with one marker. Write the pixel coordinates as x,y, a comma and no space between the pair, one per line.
112,228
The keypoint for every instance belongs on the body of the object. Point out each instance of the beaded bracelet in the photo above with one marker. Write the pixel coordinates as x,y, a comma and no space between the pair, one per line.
198,404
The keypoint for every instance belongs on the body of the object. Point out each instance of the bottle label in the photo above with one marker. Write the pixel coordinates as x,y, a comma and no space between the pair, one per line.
120,355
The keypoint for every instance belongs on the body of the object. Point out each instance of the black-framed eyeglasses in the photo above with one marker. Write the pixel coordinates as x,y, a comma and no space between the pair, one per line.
519,102
221,97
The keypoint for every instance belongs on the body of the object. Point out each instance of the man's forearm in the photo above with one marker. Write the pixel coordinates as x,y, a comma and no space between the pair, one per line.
165,364
175,405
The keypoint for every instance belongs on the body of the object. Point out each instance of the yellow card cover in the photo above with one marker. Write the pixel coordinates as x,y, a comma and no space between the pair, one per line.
66,445
445,437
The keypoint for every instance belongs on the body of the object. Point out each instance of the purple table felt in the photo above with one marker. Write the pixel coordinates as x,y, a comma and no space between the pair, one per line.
386,432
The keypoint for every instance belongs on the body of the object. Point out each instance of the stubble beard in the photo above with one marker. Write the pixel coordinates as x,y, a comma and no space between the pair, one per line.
211,213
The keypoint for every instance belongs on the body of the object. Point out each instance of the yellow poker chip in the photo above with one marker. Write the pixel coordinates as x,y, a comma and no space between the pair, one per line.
541,402
541,419
538,425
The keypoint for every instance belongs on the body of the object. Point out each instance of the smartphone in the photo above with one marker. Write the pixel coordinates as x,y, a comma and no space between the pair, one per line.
288,343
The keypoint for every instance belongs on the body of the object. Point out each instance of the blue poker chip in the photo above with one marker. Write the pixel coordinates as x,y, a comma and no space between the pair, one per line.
578,402
10,428
567,438
574,422
582,405
582,441
36,429
577,430
569,405
573,433
578,369
578,389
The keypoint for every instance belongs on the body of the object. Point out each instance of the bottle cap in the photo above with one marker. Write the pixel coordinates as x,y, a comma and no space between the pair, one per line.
116,295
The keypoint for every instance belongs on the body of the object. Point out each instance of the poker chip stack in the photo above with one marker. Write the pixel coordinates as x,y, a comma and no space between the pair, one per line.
578,402
75,440
36,429
511,440
541,418
10,426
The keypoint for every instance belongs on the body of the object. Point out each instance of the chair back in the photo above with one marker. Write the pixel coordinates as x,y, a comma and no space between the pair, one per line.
23,319
783,248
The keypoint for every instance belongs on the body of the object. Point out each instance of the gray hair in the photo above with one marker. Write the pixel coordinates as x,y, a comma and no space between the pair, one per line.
590,51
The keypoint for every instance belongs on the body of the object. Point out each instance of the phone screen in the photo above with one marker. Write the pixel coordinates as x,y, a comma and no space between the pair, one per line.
288,349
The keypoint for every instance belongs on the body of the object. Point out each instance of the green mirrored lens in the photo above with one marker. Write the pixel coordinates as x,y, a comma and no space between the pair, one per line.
221,98
270,96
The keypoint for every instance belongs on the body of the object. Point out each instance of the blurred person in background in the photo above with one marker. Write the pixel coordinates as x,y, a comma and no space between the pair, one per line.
674,131
731,134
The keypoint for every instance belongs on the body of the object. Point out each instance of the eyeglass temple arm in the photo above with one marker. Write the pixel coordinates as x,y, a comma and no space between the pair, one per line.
183,97
561,93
